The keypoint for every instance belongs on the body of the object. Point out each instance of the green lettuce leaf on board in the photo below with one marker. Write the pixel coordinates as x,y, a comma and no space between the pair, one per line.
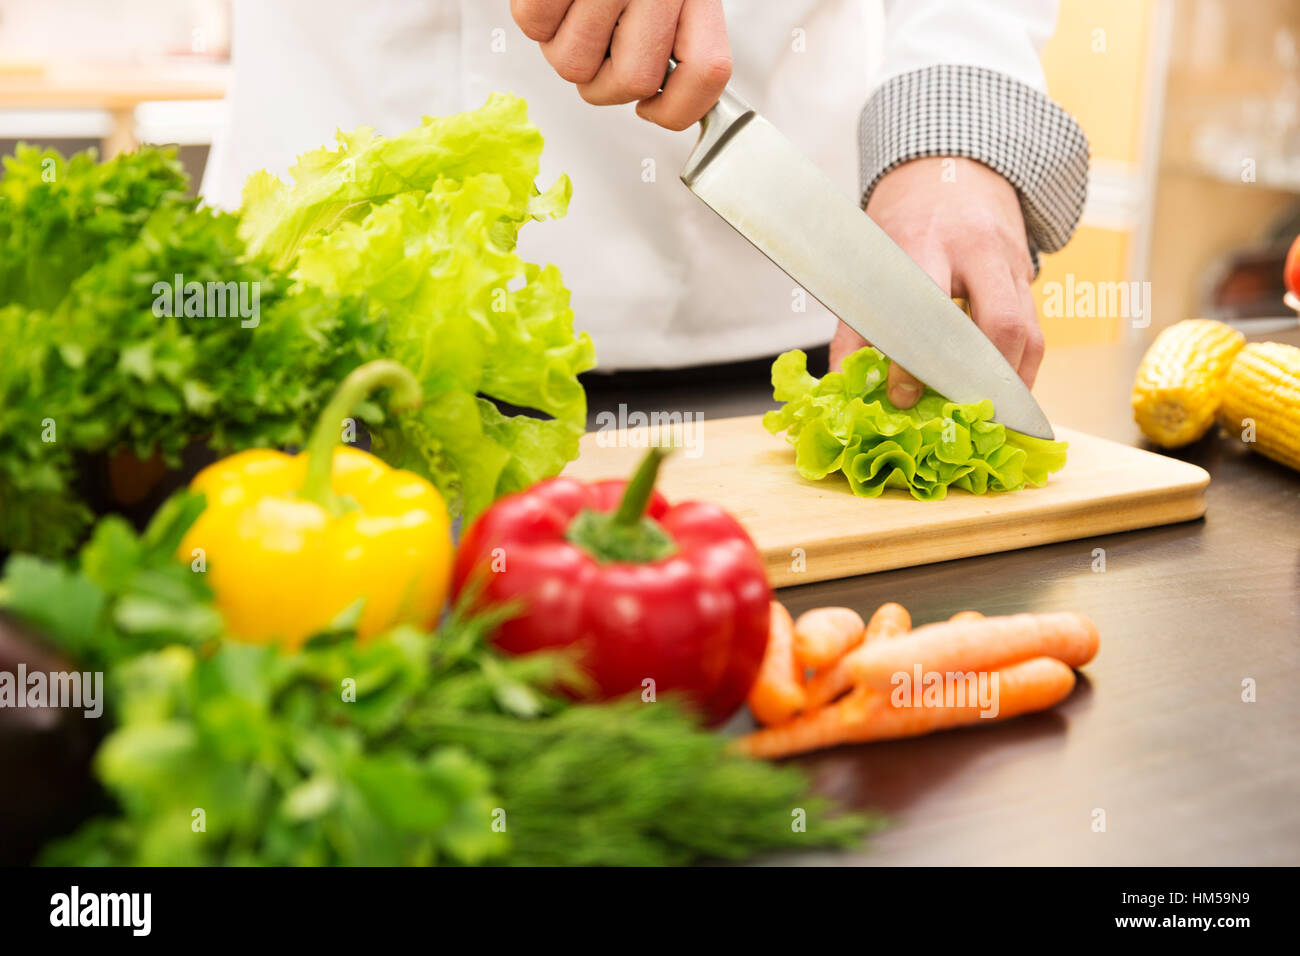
425,224
843,422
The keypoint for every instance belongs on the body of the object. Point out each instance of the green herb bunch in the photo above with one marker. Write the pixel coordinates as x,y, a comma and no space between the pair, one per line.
401,247
413,748
91,367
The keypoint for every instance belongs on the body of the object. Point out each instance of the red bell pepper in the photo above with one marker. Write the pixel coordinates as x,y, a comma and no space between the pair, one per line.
1291,269
676,594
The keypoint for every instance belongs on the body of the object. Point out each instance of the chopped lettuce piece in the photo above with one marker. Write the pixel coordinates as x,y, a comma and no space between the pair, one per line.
843,422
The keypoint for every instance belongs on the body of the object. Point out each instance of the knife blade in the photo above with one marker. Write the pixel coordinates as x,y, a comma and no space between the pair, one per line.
747,172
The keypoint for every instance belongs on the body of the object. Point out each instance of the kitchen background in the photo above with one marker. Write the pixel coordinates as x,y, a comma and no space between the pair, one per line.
1192,107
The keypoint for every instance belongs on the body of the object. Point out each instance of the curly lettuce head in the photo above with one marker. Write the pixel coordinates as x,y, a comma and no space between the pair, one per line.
843,422
92,367
425,225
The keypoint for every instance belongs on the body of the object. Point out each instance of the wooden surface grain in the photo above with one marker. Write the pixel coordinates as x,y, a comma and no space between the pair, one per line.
1156,735
111,87
819,530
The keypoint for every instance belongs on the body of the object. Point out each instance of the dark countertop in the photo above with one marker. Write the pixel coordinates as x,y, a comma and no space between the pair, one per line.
1156,735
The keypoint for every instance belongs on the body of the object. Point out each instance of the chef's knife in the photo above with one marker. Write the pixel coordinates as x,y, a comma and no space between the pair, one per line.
754,178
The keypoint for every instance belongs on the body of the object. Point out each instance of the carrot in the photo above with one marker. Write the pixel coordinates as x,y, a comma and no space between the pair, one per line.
890,620
967,616
977,645
865,714
778,692
823,635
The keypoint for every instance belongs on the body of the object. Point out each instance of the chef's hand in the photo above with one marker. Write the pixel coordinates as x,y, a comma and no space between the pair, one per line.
967,231
617,51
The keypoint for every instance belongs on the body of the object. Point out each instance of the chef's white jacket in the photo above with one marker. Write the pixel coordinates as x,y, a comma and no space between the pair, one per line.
657,279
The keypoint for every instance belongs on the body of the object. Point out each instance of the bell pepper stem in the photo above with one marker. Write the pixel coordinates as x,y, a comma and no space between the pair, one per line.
627,533
354,388
636,496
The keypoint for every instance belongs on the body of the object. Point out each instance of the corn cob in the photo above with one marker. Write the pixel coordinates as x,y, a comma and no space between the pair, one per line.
1261,400
1180,381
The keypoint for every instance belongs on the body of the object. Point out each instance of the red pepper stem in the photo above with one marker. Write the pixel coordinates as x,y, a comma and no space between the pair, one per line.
626,534
636,495
356,387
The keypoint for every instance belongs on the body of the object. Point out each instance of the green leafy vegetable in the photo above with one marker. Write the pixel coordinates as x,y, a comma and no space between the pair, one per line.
61,216
843,422
412,748
399,247
93,365
628,783
425,225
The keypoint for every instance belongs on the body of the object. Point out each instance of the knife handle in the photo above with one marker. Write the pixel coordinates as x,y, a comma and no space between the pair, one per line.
727,115
730,101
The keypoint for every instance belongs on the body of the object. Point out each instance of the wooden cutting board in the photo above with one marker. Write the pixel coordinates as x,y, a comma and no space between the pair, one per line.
814,531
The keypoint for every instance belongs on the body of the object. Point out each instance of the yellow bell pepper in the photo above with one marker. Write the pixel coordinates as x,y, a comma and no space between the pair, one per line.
291,541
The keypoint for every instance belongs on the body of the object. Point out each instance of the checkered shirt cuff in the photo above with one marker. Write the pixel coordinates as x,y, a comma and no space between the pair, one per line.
981,114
